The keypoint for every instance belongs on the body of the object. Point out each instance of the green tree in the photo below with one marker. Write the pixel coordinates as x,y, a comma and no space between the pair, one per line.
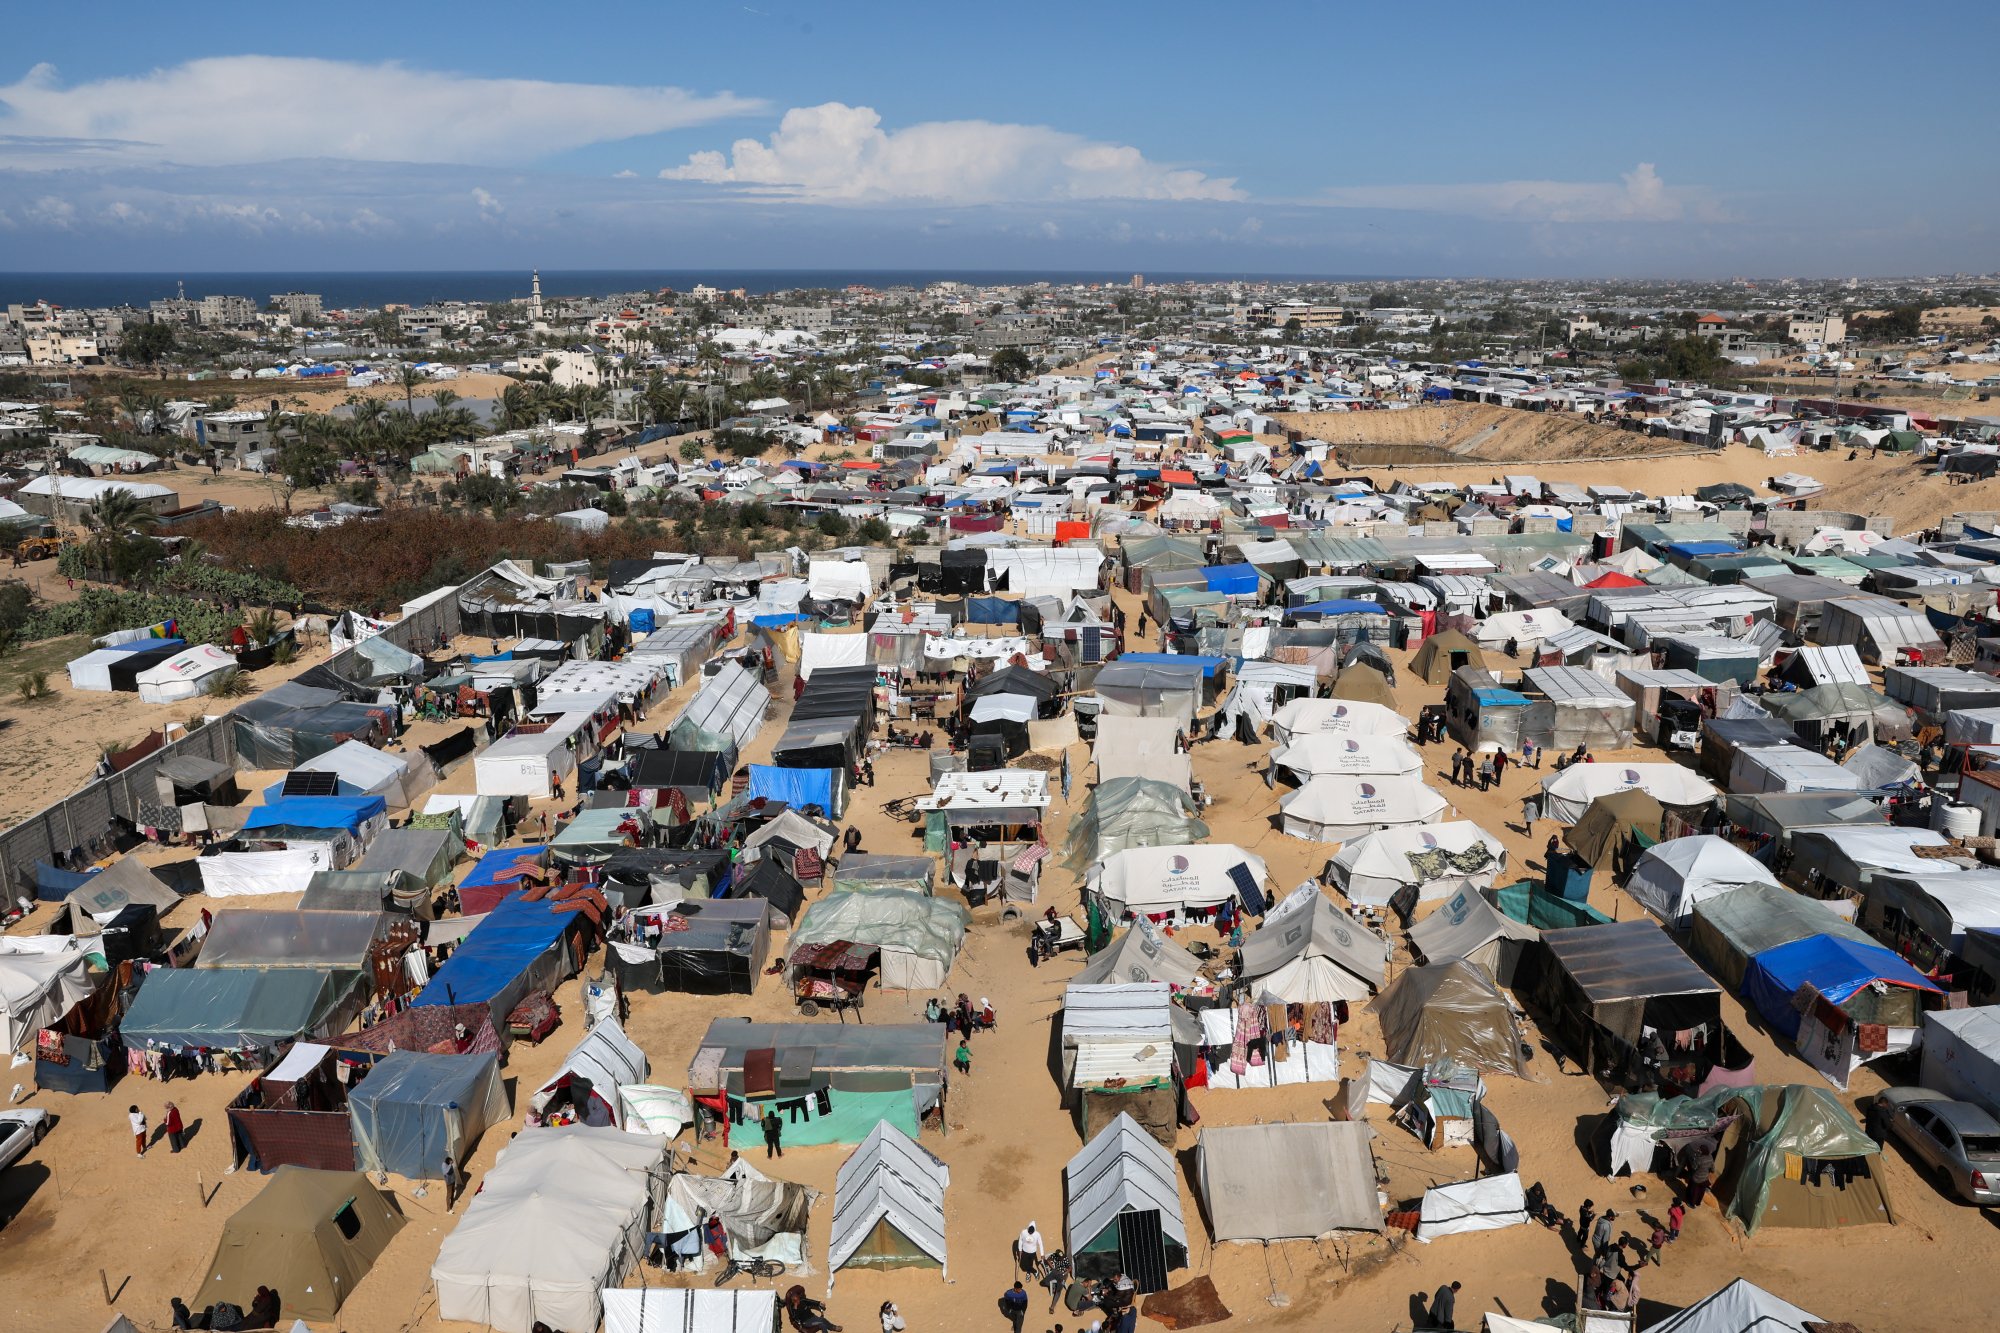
691,451
873,531
112,517
1012,364
301,464
147,344
411,379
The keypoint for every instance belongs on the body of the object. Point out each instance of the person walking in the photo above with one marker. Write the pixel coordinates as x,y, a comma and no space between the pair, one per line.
138,1121
961,1059
1444,1306
1584,1216
1676,1214
1600,1235
176,1131
892,1318
1028,1249
1499,764
451,1181
774,1133
1531,754
1485,772
1014,1305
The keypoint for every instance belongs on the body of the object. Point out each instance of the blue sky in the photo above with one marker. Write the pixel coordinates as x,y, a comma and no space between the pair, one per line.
1543,140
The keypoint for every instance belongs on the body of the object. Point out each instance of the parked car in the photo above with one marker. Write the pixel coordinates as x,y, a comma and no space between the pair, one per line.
1958,1141
20,1131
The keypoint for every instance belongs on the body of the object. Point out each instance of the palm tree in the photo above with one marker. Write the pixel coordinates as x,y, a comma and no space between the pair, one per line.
515,407
444,398
590,400
411,379
112,515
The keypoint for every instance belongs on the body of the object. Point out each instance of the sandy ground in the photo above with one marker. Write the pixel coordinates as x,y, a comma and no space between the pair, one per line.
83,1202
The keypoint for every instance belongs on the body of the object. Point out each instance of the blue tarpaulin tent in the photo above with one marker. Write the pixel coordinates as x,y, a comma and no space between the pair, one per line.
497,962
415,1110
53,885
341,812
992,611
1693,550
1833,966
793,786
1231,580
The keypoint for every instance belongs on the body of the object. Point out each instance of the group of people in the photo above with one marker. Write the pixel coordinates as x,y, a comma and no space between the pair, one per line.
263,1313
1487,769
175,1128
1611,1273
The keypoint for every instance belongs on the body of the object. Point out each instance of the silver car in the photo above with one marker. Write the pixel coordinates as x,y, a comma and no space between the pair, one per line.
1960,1142
20,1131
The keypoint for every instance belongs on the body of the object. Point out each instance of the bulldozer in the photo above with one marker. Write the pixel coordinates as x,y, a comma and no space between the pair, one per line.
43,544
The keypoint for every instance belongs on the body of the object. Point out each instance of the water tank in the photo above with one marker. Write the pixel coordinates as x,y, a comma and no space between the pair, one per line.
1955,820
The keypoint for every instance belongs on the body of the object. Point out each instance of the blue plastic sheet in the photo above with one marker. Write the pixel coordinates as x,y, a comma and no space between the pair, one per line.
503,946
1231,580
793,786
1833,966
341,812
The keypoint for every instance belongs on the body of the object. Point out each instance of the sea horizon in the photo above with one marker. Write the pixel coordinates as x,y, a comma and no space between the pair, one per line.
347,288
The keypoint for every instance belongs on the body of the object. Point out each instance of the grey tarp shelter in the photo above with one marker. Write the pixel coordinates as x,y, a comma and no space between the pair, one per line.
1284,1181
1308,950
424,855
1124,1207
253,938
1599,986
888,1205
1733,928
1449,1010
1467,926
414,1110
236,1007
1140,954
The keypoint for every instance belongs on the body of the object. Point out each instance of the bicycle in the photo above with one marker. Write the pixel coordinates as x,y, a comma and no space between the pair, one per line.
752,1267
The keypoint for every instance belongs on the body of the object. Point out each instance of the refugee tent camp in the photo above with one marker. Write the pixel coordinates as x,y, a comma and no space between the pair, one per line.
888,1205
1303,717
1449,1010
918,937
1432,860
310,1236
1179,881
414,1112
1672,878
563,1213
1467,926
1287,1181
1336,806
1123,1208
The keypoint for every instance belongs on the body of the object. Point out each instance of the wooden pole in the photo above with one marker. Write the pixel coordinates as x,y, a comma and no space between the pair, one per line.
105,1283
200,1189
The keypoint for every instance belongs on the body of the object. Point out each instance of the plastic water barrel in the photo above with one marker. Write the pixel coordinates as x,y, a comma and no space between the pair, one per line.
1955,820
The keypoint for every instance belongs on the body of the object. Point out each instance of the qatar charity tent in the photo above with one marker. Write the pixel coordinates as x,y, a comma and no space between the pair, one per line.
1335,807
416,1111
310,1236
1673,877
888,1205
563,1214
1568,794
1283,1181
1123,1208
1359,755
1449,1010
1418,863
1178,881
1308,951
1304,717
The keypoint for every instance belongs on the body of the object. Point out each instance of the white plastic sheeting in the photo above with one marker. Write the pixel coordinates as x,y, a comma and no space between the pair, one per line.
36,990
847,580
1473,1205
1740,1307
185,675
1673,876
1141,747
1307,950
245,874
1342,716
689,1310
821,652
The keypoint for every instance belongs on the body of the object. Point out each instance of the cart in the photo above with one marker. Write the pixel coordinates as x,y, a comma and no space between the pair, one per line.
831,976
1054,937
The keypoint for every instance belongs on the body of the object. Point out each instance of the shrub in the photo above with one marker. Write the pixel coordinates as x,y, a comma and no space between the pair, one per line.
33,686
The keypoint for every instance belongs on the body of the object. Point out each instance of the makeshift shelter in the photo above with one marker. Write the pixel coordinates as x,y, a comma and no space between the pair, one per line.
1732,928
1615,829
1671,878
187,674
1863,1001
1961,1055
1362,683
1302,717
705,947
1141,747
521,945
1568,794
1416,864
1741,1307
1126,813
1336,806
1467,926
888,1205
1851,712
1449,1010
1123,1208
357,770
1287,1181
1151,689
1140,954
1309,951
1118,1055
1879,629
310,1236
292,939
587,1083
1443,653
1601,988
37,989
240,1008
725,714
1794,1156
1179,881
868,1072
562,1214
1486,1204
918,937
1571,706
415,1111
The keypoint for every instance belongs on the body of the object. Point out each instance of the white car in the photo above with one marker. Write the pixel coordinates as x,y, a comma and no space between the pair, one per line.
20,1131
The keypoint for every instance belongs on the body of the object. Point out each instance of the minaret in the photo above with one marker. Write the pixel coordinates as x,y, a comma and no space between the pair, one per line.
535,299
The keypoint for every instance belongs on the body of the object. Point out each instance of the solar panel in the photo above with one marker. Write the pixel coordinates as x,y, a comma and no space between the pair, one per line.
312,784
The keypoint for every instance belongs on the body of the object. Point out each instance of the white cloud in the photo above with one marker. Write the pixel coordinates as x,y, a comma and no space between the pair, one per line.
835,152
237,109
489,206
1637,196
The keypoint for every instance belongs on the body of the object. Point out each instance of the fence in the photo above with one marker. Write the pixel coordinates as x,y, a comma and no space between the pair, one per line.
90,823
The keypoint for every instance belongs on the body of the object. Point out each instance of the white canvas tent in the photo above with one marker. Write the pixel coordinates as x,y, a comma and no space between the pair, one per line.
1486,1204
1140,954
1354,755
689,1310
1566,795
1123,1173
609,1060
186,675
1673,876
1154,881
1469,927
370,772
845,580
1308,951
1140,747
36,990
1373,868
1961,1054
1740,1307
888,1205
1288,1181
1303,717
563,1214
824,652
1337,806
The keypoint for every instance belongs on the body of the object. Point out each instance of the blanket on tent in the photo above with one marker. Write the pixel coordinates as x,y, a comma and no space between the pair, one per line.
1438,862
